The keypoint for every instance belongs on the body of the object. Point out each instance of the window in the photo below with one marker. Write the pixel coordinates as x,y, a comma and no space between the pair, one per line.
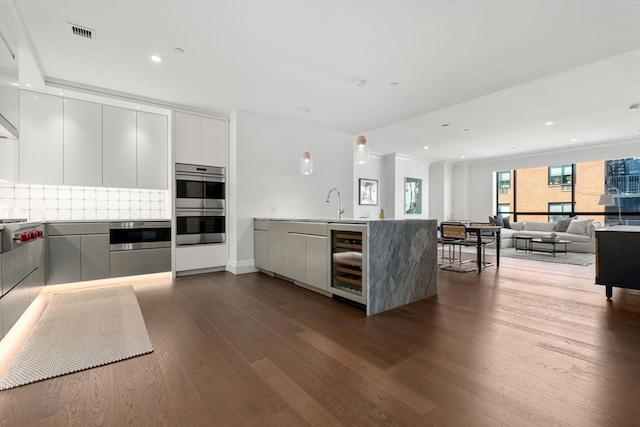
560,175
556,211
504,179
529,199
504,209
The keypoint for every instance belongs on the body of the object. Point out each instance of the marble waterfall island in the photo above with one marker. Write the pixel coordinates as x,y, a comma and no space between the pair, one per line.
379,264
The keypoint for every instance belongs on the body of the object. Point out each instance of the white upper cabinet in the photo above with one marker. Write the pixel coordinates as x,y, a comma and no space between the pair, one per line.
188,138
214,142
79,143
41,140
82,143
119,147
152,151
200,140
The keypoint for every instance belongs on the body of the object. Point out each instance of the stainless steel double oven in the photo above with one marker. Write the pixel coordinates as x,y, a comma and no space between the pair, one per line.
200,204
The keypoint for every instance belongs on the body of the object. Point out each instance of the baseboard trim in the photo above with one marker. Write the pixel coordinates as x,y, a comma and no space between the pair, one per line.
242,267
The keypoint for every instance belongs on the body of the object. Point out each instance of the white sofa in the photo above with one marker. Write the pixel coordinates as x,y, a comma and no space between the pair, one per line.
581,233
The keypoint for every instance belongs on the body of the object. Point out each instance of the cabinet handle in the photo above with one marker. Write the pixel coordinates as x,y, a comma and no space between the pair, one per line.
308,235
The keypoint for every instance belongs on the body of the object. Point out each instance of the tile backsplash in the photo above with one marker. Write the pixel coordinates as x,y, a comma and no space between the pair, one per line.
60,202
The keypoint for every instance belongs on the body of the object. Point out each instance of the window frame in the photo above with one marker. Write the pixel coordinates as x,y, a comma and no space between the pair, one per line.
563,213
563,178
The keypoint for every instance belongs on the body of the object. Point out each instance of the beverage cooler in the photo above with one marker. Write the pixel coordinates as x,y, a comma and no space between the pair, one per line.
349,262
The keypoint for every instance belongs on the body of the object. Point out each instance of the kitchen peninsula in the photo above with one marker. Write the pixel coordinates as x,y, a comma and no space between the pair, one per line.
378,264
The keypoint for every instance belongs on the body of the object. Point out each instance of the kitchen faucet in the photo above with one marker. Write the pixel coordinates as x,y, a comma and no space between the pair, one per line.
340,210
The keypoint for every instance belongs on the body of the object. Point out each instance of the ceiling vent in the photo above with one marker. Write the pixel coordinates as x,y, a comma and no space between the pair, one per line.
77,30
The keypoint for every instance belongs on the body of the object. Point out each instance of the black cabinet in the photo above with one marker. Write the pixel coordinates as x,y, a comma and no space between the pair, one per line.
617,250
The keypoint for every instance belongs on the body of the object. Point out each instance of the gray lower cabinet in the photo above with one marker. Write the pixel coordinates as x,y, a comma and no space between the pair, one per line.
64,259
94,257
295,250
141,261
261,249
316,261
74,256
1,302
14,303
18,291
278,234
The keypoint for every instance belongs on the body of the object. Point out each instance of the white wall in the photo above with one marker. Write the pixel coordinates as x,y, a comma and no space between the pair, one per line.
473,181
372,170
265,179
440,190
412,168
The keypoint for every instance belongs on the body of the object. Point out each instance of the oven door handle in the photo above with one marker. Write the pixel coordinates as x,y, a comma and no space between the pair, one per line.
127,225
199,177
199,212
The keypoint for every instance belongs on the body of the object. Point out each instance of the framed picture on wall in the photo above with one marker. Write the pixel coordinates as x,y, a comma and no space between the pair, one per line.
412,195
368,191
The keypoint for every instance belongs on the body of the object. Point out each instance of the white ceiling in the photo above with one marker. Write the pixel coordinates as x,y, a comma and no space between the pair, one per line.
500,69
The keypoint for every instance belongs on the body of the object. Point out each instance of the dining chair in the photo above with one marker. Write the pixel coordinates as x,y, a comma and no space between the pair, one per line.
486,237
453,234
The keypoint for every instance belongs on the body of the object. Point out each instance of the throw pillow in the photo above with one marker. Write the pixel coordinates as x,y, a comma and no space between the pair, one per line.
579,226
506,222
496,221
563,224
518,226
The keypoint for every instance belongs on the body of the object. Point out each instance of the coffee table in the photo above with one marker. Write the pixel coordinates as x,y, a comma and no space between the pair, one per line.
527,243
553,249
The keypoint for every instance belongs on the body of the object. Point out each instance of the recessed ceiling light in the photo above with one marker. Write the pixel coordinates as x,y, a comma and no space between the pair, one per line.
137,107
548,123
426,147
15,84
573,140
28,84
462,157
156,58
61,93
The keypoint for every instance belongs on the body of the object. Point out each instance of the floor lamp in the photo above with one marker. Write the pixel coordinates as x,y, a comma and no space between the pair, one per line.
607,200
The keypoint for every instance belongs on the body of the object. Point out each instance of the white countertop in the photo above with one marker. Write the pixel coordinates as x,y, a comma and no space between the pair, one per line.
94,221
339,220
627,228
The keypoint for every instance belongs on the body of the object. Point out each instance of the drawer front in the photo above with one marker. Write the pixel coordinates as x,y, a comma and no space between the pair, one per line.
78,228
142,261
260,225
315,228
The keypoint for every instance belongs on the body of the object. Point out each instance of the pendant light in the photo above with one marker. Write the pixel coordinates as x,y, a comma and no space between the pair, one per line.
306,162
361,149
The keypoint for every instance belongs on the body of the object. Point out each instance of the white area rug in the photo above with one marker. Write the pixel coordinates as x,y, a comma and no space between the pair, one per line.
80,330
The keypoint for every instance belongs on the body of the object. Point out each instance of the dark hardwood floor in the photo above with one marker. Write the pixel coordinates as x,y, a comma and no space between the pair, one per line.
526,344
